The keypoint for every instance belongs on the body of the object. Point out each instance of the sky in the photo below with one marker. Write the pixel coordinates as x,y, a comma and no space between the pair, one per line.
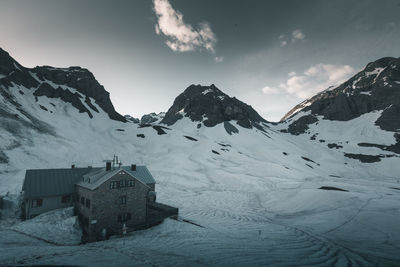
270,54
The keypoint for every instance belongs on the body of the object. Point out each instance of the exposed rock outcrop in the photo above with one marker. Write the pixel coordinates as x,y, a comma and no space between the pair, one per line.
376,88
209,105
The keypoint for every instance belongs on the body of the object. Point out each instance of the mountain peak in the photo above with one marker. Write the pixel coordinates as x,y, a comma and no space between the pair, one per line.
375,88
8,64
209,105
50,81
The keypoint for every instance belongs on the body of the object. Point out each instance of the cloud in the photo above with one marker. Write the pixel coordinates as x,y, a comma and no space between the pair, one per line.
182,37
270,90
297,35
316,78
313,80
219,59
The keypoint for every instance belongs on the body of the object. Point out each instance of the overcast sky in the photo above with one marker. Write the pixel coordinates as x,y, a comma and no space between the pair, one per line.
269,54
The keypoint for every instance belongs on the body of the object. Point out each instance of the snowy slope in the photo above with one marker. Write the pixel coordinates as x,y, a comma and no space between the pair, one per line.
255,193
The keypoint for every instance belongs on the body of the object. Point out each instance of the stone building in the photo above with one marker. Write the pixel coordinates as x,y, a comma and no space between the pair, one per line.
105,198
110,198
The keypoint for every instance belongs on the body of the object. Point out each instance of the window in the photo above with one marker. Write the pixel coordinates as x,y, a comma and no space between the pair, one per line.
82,200
88,203
37,202
122,200
124,217
113,185
122,183
66,199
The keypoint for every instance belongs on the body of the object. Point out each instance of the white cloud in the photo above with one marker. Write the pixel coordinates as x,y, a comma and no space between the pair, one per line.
297,35
182,37
313,80
270,90
219,59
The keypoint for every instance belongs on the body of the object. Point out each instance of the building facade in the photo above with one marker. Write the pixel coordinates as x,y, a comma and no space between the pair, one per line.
105,199
108,200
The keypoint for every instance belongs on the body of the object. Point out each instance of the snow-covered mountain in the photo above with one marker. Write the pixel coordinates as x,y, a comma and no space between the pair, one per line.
370,98
257,189
210,106
375,88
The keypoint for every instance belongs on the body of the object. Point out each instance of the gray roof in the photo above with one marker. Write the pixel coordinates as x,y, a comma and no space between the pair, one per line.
97,177
54,182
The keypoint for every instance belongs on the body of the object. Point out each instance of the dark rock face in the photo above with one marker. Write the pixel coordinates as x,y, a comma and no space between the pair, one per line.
3,157
12,72
333,145
393,148
229,128
67,96
149,118
190,138
333,188
84,82
377,87
364,158
209,105
75,77
300,126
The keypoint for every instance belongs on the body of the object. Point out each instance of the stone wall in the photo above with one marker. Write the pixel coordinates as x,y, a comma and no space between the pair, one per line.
105,206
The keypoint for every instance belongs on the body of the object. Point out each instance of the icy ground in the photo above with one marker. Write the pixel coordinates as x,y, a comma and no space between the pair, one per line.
256,197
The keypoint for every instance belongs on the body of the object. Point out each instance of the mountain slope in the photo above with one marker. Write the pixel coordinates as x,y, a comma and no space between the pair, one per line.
258,188
359,118
209,105
74,85
375,88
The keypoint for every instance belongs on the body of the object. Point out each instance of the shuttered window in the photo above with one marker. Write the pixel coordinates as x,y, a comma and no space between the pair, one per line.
37,202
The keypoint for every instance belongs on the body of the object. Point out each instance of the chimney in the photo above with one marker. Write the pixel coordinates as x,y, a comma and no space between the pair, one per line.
133,167
108,166
73,166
